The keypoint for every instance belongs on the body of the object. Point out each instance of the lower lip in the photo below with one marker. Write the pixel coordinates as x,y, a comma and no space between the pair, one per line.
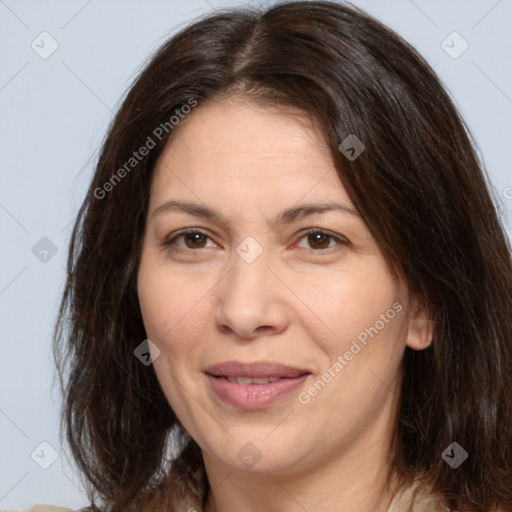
254,396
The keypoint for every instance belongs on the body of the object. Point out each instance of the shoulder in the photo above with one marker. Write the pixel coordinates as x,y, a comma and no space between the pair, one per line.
416,499
42,508
413,499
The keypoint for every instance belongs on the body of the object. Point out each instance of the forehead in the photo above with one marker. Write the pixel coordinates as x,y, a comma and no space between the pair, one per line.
243,148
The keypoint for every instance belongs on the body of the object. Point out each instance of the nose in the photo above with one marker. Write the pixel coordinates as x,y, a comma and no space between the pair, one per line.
251,301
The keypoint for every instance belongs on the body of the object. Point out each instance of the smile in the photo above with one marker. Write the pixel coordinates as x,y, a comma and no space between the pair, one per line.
254,385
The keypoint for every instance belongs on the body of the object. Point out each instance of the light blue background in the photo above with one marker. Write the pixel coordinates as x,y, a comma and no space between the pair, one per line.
54,113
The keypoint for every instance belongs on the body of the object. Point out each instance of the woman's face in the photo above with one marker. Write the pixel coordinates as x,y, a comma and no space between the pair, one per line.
277,277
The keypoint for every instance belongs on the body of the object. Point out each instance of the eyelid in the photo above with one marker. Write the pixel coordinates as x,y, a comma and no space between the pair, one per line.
168,240
341,241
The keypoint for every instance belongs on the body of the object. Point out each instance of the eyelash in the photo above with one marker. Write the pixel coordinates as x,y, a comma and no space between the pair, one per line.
314,231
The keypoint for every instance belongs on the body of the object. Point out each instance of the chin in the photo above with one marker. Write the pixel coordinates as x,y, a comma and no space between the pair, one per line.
258,452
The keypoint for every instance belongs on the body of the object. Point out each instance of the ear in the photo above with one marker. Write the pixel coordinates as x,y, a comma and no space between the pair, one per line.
421,326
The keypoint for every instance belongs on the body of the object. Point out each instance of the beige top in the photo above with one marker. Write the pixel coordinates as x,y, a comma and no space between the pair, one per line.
402,502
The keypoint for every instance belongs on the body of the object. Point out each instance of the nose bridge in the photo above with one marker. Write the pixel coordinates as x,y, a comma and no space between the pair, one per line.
246,282
248,299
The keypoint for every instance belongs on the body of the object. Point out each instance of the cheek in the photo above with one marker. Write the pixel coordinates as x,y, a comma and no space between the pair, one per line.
176,315
173,316
348,304
359,361
168,301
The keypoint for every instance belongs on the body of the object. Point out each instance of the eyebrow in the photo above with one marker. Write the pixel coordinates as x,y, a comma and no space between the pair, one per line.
284,217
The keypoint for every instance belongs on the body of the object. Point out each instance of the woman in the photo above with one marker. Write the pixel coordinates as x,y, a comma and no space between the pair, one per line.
288,287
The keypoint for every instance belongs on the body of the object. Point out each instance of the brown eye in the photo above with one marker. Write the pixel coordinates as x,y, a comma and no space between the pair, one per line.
195,240
319,240
190,239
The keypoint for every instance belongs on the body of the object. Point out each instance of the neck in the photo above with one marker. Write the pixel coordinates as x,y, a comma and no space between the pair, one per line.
356,482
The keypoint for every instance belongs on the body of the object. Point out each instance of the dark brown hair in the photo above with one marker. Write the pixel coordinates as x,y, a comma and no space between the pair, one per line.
418,186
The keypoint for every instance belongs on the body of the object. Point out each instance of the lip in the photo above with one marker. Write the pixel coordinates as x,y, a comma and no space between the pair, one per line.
254,370
254,396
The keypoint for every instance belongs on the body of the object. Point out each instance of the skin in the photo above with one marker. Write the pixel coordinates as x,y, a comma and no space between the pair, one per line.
296,304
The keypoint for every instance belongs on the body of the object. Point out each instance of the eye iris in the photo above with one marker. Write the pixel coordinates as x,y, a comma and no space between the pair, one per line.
319,240
194,240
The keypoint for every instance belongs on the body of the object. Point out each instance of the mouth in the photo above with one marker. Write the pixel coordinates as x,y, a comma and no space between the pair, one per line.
254,385
244,381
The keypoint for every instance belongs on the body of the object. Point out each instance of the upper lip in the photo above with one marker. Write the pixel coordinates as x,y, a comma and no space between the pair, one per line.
254,370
